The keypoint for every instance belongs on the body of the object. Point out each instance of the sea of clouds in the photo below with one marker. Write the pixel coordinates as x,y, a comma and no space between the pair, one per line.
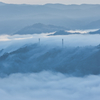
16,41
48,85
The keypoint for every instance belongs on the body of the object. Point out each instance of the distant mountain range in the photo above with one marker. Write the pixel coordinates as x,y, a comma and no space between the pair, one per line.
14,17
1,3
40,28
93,25
96,32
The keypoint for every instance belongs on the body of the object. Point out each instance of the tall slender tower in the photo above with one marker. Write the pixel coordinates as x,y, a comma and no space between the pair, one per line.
62,43
39,41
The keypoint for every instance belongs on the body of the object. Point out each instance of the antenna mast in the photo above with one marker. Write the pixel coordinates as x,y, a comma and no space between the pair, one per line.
39,41
62,43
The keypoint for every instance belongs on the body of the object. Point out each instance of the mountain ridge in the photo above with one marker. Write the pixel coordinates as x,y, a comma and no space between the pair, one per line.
78,61
39,28
16,16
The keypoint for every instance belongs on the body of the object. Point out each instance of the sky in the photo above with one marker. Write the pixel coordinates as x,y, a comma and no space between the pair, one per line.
52,1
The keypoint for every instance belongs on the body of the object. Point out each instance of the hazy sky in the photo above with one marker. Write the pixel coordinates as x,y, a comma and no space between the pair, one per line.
52,1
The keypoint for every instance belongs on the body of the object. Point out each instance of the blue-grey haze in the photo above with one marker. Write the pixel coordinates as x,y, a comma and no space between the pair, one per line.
35,66
16,17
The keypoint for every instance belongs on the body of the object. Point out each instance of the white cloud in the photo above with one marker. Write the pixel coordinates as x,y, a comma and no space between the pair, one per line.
82,31
17,41
49,86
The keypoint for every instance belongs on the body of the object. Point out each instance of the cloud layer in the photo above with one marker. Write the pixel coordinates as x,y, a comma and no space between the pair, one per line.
49,86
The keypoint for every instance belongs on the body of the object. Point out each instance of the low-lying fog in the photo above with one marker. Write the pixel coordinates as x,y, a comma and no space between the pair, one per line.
79,53
49,86
69,40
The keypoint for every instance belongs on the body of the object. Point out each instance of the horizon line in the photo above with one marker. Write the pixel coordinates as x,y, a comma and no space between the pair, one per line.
48,3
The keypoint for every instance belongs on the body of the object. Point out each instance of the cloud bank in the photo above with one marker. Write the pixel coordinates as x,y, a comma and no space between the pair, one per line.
49,86
69,40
